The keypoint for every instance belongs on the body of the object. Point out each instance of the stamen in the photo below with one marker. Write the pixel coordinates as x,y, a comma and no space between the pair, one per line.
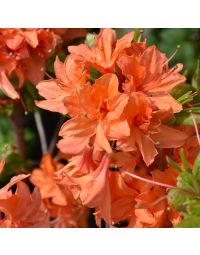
173,55
151,181
170,72
165,185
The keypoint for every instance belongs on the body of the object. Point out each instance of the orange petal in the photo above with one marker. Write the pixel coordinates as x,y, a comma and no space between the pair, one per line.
31,38
169,137
146,147
7,87
101,140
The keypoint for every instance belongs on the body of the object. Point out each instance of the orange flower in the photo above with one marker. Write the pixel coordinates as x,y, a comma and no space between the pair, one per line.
63,210
146,129
43,179
123,198
22,54
105,51
61,93
21,209
88,181
78,131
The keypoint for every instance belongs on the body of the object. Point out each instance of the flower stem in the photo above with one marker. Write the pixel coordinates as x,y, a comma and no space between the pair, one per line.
41,132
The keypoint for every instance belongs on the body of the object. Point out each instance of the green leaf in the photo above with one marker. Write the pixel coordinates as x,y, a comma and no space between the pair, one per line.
196,167
185,180
184,160
193,207
196,77
190,222
177,199
173,164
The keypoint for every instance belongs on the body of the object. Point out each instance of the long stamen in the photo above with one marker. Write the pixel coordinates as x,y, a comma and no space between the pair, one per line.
165,185
151,181
170,72
173,55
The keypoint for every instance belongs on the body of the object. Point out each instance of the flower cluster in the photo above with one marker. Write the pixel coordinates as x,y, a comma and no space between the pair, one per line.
24,52
117,95
49,205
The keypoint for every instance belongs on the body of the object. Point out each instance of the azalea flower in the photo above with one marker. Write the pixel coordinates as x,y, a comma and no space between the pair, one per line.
106,50
57,199
22,208
22,54
43,179
87,180
58,92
